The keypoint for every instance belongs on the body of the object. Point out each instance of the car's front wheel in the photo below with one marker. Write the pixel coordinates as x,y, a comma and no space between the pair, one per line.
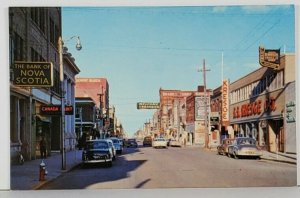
109,163
229,155
235,155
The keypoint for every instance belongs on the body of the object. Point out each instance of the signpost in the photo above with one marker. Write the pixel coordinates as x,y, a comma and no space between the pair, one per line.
269,58
148,105
33,74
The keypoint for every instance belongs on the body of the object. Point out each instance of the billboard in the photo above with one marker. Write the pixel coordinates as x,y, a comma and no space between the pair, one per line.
200,107
33,74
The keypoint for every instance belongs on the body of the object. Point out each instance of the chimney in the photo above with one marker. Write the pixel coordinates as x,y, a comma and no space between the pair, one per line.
200,88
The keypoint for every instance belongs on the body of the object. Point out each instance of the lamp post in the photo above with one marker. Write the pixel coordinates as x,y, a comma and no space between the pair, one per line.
61,77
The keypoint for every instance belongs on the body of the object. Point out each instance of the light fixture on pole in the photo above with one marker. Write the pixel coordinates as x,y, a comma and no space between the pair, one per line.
61,72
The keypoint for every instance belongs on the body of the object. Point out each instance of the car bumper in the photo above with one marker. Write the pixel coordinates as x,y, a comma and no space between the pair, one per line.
249,153
159,145
96,161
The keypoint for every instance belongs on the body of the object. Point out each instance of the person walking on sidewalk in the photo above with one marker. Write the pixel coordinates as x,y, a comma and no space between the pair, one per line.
43,148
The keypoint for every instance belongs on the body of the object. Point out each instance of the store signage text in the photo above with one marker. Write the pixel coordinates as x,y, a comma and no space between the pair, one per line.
55,110
254,108
225,101
269,58
148,105
33,74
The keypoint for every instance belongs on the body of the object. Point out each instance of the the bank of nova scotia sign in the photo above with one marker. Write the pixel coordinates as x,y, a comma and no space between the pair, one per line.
33,74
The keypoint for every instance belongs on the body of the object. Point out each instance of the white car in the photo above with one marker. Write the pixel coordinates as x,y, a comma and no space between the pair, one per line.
175,143
112,147
117,144
159,143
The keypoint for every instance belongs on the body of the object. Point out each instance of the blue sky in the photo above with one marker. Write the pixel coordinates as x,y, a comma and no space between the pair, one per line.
142,49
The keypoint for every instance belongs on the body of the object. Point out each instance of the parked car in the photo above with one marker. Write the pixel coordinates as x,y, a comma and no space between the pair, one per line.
131,143
147,141
97,151
121,142
223,147
112,147
168,142
159,143
117,144
244,147
175,143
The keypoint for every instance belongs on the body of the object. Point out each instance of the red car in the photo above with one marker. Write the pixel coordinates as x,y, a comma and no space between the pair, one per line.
223,147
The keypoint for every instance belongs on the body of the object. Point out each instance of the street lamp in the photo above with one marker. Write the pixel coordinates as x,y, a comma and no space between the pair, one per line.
61,70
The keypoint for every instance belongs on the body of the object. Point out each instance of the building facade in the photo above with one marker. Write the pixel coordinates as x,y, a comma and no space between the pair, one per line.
33,37
85,120
98,90
197,126
259,106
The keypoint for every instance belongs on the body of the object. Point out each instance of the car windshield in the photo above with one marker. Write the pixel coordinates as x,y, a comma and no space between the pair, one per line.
115,141
131,140
96,145
159,139
247,141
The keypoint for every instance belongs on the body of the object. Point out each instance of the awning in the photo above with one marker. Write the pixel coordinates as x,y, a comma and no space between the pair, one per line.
43,118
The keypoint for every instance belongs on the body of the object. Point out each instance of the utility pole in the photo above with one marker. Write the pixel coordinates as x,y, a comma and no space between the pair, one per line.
204,70
101,113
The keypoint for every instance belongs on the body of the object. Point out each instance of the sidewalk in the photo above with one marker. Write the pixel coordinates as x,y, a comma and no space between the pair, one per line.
273,156
26,176
280,157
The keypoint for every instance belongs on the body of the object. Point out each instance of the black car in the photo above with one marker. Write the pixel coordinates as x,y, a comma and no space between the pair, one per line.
131,143
97,151
147,141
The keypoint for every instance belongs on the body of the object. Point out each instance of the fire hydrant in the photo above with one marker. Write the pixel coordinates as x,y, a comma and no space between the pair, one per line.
43,171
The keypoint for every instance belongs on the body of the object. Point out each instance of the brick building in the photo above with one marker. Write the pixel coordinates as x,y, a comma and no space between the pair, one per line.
98,90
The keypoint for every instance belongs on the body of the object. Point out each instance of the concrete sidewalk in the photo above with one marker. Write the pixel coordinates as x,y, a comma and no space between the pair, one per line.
26,176
280,157
273,156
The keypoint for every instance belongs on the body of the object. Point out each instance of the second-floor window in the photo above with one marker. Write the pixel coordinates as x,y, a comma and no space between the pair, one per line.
19,48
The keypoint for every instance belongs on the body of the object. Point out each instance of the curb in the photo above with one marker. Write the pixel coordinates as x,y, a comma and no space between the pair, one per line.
282,161
42,183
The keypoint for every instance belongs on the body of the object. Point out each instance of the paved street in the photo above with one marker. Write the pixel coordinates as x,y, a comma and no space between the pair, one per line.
190,167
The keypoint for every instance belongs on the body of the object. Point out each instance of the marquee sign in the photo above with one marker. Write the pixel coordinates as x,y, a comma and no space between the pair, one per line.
225,101
269,58
148,105
55,110
33,74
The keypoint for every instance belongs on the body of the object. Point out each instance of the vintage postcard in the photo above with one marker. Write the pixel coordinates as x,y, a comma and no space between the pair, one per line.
152,97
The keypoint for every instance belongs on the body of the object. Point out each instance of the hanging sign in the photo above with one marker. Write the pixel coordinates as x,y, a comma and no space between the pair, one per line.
269,58
225,100
148,105
33,74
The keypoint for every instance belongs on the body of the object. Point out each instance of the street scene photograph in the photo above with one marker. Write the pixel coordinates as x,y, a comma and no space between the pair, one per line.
152,97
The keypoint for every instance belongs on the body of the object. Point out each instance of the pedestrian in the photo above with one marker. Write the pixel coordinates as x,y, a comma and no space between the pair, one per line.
43,148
